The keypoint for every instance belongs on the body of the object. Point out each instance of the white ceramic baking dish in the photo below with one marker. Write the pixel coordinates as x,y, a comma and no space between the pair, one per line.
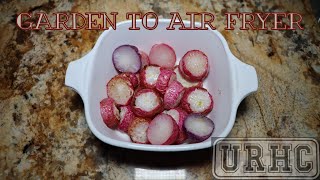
229,80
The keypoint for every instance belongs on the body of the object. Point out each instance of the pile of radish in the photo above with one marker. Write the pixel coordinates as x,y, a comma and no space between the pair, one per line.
156,102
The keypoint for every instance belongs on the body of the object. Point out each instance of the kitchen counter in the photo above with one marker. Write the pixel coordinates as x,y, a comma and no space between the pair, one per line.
42,124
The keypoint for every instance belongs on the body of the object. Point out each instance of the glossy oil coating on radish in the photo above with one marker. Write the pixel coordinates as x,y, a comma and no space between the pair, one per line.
138,130
134,79
126,117
109,113
162,55
179,115
120,89
149,76
126,58
198,127
194,65
147,103
186,83
173,95
197,100
144,59
166,77
162,130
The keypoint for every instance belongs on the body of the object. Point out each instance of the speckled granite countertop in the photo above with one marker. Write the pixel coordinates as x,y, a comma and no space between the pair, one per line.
43,130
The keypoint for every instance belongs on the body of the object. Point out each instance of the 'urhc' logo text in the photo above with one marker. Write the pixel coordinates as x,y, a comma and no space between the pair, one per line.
288,158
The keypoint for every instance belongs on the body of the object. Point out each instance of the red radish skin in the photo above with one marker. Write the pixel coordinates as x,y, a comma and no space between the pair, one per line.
126,117
144,59
198,127
165,78
194,65
186,83
120,89
162,130
162,55
180,66
147,103
138,78
134,79
149,76
109,113
138,130
126,58
173,95
179,115
197,100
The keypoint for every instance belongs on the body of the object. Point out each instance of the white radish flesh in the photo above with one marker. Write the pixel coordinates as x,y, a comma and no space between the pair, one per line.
163,130
126,58
138,130
149,76
147,103
120,89
198,127
194,65
162,55
185,83
197,100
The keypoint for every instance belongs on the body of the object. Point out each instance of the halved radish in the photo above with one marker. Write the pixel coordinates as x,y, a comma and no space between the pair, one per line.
165,78
198,127
126,117
197,100
162,130
132,77
109,113
162,55
147,103
179,115
120,89
144,59
194,65
186,83
149,76
126,58
173,95
138,130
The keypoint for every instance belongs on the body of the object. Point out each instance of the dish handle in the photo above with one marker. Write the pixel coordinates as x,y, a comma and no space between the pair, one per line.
247,80
76,72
